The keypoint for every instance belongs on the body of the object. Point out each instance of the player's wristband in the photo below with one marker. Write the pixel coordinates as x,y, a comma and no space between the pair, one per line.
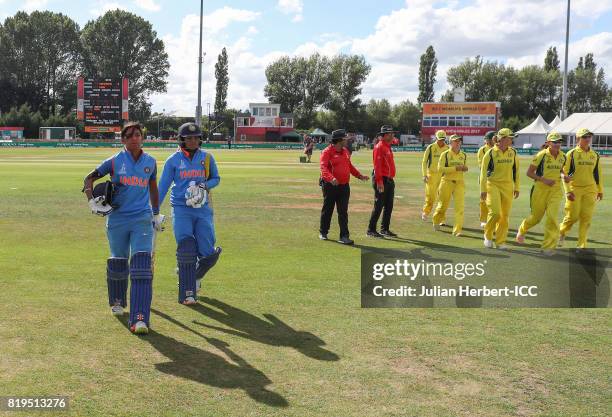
155,211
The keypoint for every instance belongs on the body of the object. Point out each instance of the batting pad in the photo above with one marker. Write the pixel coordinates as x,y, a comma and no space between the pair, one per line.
141,291
186,257
117,281
205,263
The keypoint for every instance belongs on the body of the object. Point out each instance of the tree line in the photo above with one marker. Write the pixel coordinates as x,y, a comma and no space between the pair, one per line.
47,51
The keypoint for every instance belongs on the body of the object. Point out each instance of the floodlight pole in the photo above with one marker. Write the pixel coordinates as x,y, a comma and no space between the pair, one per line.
198,117
564,96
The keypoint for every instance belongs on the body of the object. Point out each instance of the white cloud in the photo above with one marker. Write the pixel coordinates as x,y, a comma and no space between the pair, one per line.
222,18
393,47
460,31
31,5
148,5
246,70
103,6
292,7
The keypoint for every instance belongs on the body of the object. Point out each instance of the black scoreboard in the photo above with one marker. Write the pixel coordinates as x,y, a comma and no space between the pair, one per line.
102,103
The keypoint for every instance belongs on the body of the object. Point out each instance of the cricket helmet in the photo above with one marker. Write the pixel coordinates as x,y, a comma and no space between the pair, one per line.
189,130
107,190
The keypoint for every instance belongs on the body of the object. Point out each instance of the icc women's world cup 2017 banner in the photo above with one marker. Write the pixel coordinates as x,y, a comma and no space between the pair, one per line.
102,103
466,118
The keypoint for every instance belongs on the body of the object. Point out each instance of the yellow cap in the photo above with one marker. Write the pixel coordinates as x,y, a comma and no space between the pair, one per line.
456,137
583,132
505,133
440,135
554,137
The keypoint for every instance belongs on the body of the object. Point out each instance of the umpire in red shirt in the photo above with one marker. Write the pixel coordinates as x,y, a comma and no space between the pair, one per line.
336,170
384,186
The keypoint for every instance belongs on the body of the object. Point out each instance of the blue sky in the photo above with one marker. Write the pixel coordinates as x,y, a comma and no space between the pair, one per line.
391,34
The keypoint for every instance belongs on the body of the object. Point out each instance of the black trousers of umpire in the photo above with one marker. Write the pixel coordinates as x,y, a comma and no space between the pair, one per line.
338,196
382,201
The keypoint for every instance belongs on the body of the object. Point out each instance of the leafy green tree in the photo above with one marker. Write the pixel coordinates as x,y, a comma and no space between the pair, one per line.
587,87
222,76
120,44
551,62
42,61
300,85
348,73
284,82
378,113
405,117
428,68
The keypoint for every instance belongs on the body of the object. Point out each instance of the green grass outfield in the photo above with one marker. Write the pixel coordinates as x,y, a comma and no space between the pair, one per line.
282,332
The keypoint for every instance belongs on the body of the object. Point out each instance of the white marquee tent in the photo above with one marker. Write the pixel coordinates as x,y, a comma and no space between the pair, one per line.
534,134
555,122
598,123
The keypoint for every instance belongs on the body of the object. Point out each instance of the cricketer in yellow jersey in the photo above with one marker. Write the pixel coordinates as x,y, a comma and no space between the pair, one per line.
583,187
489,139
451,165
545,198
500,167
429,168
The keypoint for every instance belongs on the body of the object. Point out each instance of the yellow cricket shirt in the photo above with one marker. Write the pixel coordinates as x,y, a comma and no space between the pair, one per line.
584,168
431,155
500,168
448,163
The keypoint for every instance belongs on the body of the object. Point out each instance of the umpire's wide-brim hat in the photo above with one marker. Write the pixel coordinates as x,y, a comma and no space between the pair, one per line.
338,135
384,129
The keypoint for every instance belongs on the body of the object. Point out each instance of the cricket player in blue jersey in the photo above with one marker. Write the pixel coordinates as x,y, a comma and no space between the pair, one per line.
130,200
194,173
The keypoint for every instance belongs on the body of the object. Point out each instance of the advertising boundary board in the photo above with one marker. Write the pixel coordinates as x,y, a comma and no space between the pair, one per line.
269,146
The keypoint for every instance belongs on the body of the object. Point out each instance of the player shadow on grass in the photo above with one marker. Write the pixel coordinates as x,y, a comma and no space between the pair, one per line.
480,238
195,364
513,232
272,331
447,248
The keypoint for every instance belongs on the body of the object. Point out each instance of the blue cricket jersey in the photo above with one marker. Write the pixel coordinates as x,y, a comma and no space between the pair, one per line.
132,182
182,171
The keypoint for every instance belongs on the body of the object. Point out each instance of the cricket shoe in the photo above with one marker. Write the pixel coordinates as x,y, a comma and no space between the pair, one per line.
548,252
489,244
520,239
189,301
198,285
483,224
503,246
345,241
323,236
374,233
139,328
436,227
117,310
424,217
388,233
458,234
